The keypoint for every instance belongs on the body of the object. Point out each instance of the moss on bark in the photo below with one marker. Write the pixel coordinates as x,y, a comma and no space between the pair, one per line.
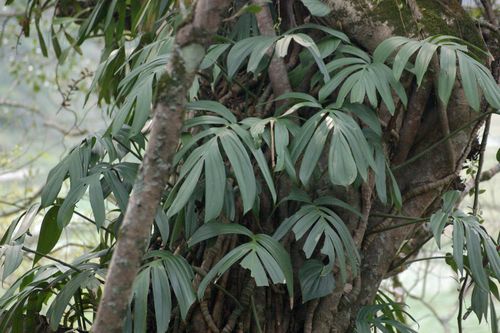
438,18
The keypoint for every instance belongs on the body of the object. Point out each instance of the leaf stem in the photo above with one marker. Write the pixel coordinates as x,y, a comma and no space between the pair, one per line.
76,269
424,259
255,316
477,179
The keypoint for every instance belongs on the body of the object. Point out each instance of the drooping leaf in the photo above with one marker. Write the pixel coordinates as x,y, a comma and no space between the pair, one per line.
315,280
316,7
49,234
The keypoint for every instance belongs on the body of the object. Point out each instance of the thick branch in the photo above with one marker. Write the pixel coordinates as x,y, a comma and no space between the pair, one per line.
277,69
146,195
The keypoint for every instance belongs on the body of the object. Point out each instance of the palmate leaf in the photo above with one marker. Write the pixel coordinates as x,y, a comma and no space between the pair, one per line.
320,222
349,153
235,142
316,280
474,76
59,304
361,78
180,277
257,47
264,256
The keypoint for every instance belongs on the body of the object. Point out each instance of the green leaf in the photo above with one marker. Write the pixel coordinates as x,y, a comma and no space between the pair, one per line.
282,45
403,56
458,244
13,257
161,297
259,49
212,229
59,304
180,275
97,200
387,47
54,182
258,156
309,44
212,106
282,259
141,291
186,189
317,7
41,40
331,85
49,234
161,221
469,81
447,73
438,222
423,59
332,32
313,152
240,51
215,182
26,221
341,164
450,198
475,258
223,265
297,95
119,191
242,168
315,280
66,210
252,263
214,52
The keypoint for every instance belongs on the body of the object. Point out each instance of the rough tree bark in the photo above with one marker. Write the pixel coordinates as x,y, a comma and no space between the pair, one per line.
165,130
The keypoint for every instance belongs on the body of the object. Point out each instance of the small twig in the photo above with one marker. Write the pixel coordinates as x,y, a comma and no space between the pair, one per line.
415,250
460,304
400,217
273,161
487,25
424,259
480,164
76,269
255,316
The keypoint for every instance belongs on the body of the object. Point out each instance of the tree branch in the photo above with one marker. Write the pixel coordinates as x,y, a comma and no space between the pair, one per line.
489,12
277,70
189,49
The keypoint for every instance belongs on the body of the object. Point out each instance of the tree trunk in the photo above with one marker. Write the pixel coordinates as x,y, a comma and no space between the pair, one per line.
422,173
